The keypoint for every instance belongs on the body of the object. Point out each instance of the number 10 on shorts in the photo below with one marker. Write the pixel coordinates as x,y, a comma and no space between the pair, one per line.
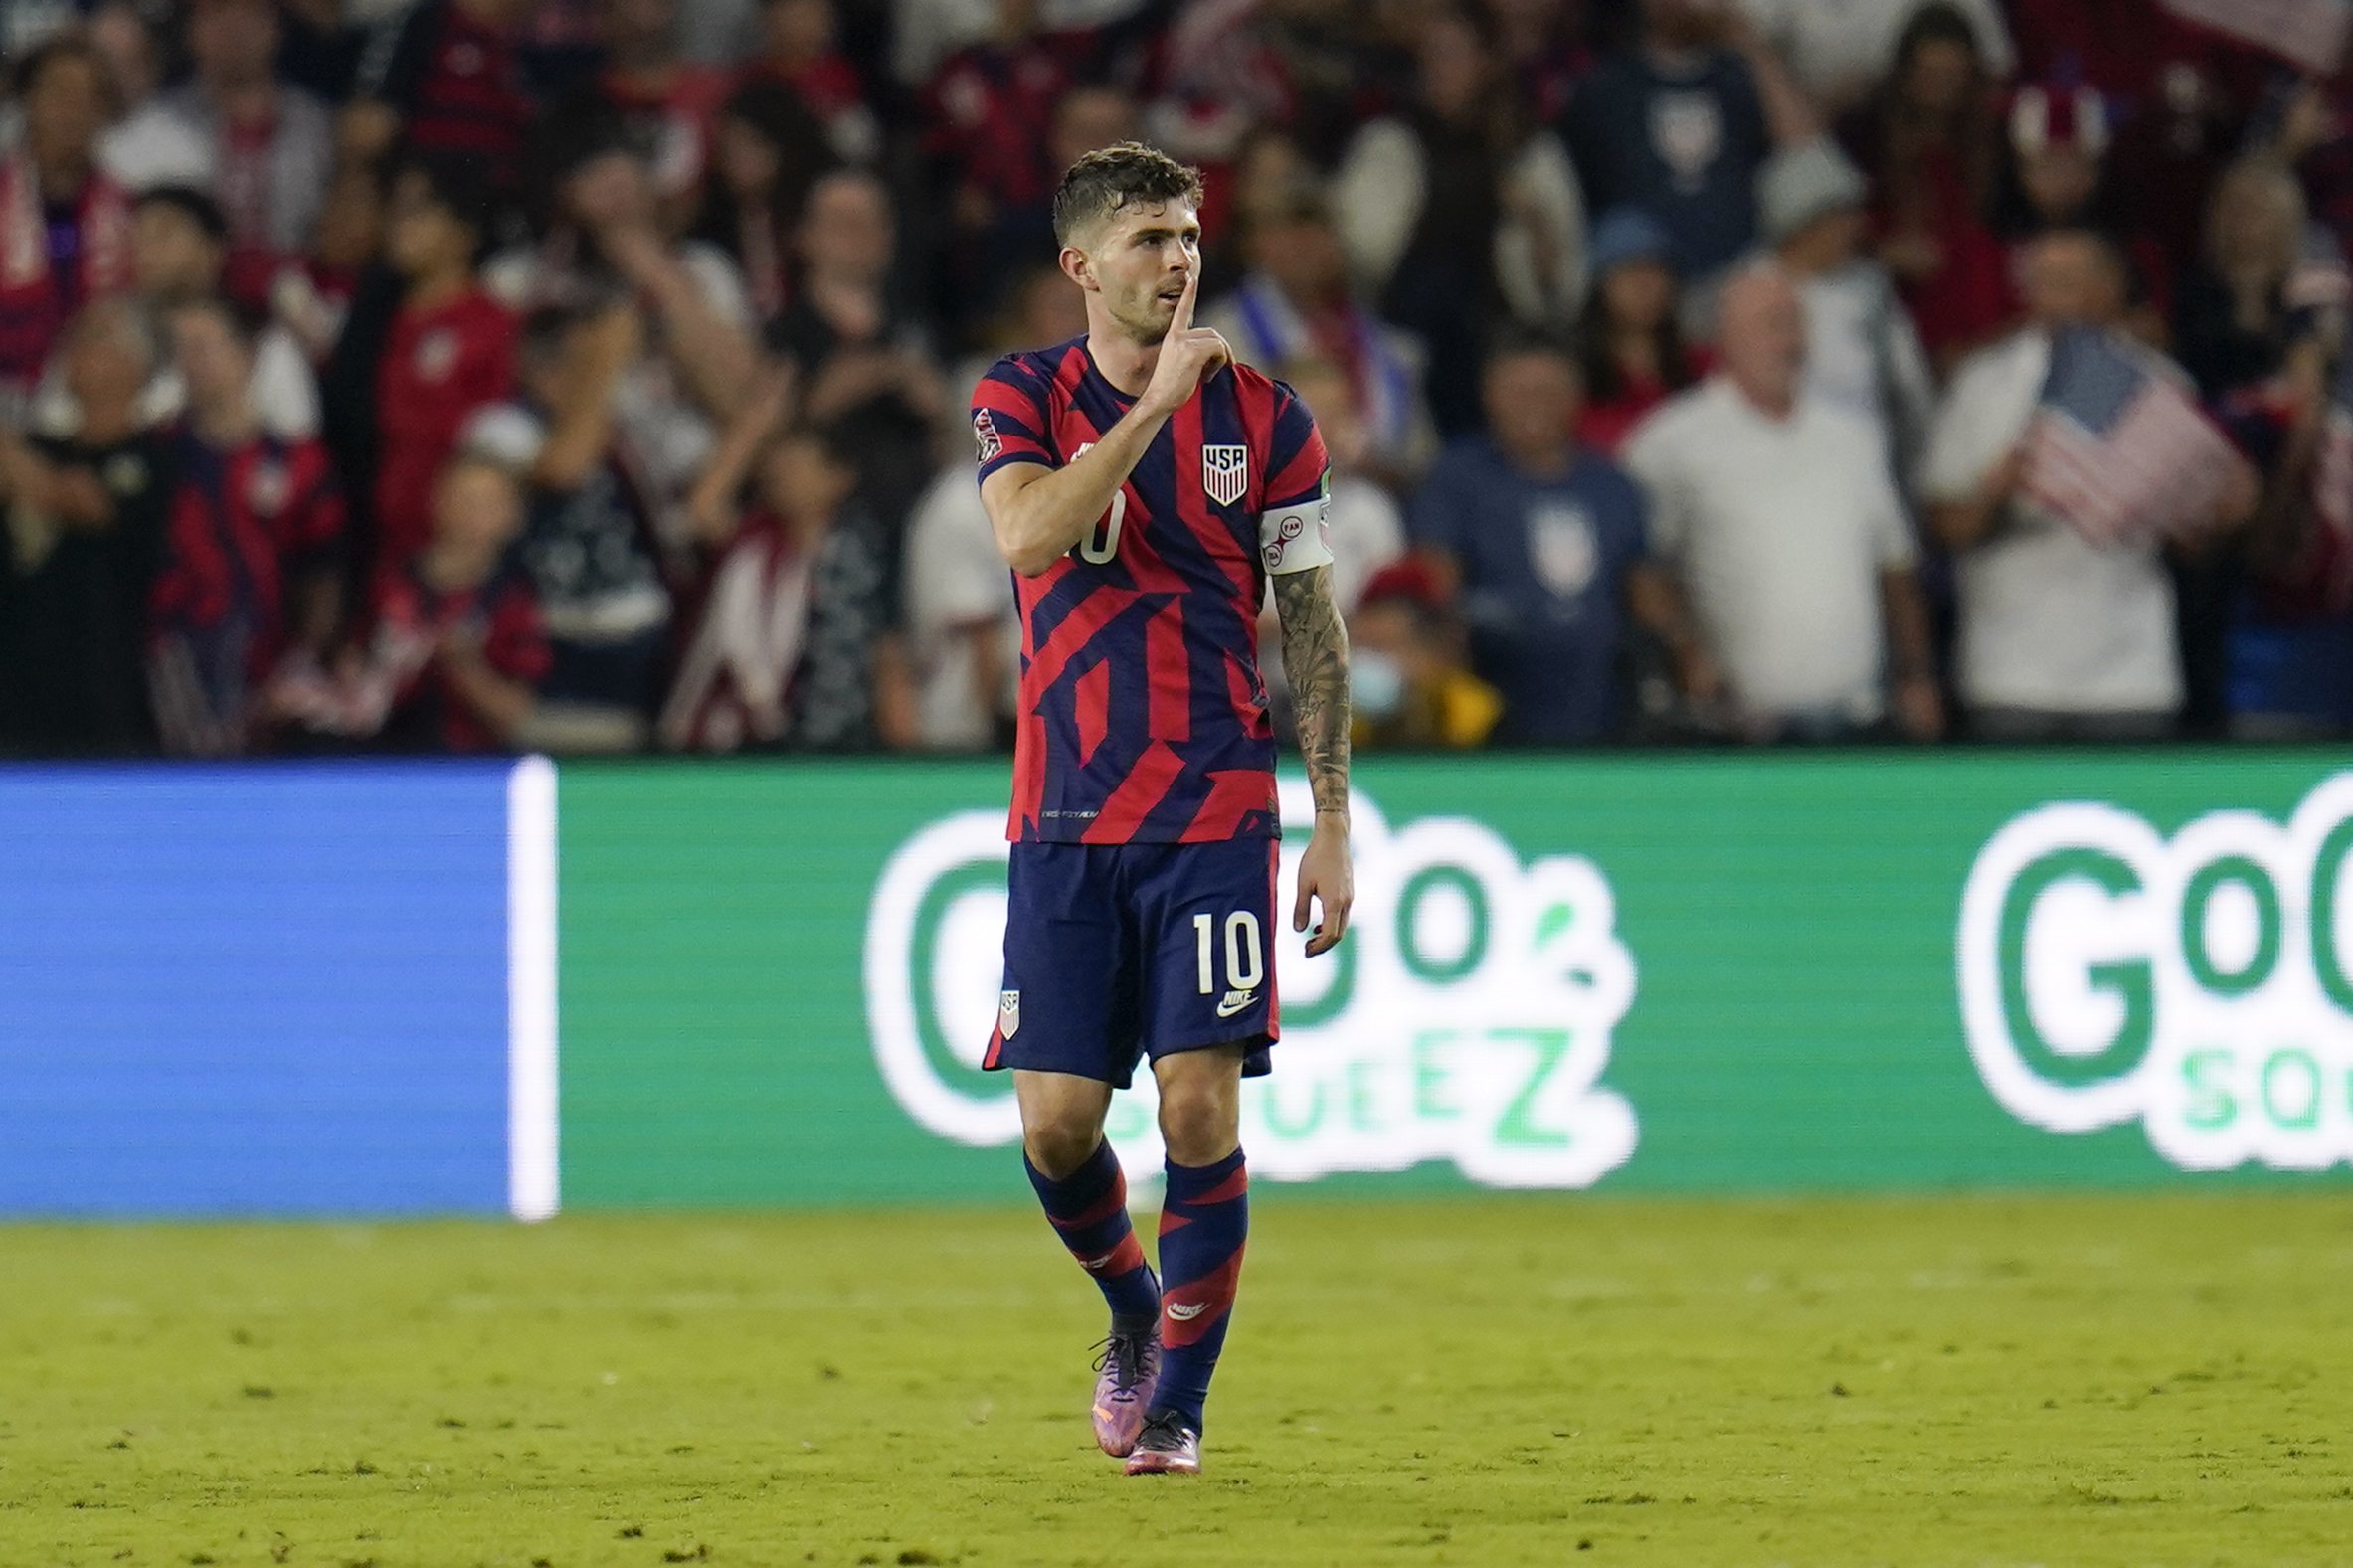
1244,959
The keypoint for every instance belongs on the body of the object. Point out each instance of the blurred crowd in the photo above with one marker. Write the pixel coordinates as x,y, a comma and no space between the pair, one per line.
591,376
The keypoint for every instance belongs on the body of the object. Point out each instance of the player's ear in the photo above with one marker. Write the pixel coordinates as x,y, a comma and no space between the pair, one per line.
1078,269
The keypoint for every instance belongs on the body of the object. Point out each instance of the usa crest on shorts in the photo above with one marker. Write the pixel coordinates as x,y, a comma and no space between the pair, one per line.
1225,473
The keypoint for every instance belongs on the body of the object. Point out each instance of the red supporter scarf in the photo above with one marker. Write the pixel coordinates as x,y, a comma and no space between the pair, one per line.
31,303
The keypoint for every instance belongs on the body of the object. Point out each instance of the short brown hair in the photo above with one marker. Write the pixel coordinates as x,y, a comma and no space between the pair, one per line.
1104,181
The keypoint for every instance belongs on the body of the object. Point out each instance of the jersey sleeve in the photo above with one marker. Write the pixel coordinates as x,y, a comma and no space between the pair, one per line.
1009,418
1295,528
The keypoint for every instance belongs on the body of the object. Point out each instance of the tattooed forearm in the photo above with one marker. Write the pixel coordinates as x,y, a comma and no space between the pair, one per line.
1316,660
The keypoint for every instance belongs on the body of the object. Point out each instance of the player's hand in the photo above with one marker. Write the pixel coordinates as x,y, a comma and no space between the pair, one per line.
1190,355
1326,877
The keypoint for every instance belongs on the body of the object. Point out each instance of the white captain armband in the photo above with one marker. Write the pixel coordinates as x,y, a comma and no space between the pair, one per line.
1294,538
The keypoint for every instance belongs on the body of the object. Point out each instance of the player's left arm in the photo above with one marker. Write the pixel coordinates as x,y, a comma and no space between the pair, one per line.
1315,660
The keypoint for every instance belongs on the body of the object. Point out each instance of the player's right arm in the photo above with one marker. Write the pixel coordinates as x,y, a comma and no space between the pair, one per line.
1040,512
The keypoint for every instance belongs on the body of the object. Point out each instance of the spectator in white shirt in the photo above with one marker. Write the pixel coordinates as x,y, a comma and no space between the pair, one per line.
1863,353
1779,515
2060,638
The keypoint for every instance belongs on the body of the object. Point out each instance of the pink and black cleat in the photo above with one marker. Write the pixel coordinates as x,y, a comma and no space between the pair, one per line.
1131,1371
1166,1447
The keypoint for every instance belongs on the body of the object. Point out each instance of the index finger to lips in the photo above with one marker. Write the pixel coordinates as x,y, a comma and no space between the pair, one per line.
1183,320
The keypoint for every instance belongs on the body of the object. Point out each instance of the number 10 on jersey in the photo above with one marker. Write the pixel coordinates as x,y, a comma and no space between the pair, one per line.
1102,541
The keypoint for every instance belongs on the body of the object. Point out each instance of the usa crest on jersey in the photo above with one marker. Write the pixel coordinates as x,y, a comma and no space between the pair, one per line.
1225,473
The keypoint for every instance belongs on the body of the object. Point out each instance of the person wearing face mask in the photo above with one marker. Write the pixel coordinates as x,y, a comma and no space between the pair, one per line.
1411,684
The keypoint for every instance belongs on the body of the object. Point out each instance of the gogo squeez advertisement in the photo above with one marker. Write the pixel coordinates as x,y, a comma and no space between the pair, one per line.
1666,973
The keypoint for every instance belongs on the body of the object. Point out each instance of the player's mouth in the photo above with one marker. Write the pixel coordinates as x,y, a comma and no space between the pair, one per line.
1171,294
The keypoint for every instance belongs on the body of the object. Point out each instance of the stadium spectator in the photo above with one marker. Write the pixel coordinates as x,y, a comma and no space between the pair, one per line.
1862,354
1546,546
312,299
125,36
65,224
864,359
666,104
2255,319
252,570
768,152
84,519
1781,521
179,243
260,148
800,50
1409,682
1634,353
1930,143
2059,175
1838,50
2059,637
455,649
590,542
1456,214
449,349
1544,53
1225,68
1297,302
927,33
604,245
986,112
442,77
789,644
1680,124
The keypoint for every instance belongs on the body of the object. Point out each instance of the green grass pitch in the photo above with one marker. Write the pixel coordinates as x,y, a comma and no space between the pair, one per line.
2123,1381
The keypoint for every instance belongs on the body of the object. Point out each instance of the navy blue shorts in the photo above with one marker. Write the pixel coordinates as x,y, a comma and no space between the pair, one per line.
1117,950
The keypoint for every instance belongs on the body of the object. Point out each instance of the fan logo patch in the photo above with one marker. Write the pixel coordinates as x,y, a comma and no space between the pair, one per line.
1225,473
985,436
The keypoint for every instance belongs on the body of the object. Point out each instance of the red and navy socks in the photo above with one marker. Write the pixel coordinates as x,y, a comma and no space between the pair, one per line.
1205,1221
1089,1212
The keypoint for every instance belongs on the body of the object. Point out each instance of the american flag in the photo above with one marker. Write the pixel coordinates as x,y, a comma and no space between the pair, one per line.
2118,449
2311,33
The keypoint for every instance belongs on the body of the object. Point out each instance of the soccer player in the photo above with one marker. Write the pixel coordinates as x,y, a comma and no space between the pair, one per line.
1145,488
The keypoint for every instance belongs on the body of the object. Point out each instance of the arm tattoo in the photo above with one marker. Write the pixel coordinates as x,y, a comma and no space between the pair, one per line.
1316,660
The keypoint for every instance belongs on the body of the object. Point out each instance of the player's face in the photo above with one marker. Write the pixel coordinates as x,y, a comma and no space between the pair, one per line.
1141,262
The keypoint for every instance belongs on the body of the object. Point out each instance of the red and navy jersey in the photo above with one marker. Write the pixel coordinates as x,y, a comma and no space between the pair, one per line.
455,81
243,523
1143,716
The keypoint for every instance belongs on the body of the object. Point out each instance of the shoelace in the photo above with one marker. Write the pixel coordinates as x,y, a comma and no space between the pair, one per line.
1165,1431
1127,1351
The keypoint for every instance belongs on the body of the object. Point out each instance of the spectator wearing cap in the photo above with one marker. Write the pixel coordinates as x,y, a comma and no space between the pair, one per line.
257,146
2059,175
254,568
179,245
1548,547
1635,356
1779,518
65,223
1930,143
449,350
442,77
1680,124
83,514
2060,638
1862,355
1297,302
1459,214
1411,684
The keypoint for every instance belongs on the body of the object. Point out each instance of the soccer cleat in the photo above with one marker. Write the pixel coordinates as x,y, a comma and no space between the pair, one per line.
1130,1365
1167,1447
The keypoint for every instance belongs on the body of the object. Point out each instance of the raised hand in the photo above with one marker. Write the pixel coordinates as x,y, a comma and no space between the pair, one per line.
1190,355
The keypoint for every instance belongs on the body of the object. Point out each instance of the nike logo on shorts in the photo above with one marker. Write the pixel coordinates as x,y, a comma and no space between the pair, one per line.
1236,1001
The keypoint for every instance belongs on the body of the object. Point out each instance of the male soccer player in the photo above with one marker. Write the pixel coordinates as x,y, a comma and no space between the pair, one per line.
1145,488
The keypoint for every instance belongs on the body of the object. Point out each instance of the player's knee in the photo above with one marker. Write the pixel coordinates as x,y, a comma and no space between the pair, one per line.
1199,1125
1058,1147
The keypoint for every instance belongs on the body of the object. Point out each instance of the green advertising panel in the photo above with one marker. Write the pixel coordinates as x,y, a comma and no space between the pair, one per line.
1694,972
